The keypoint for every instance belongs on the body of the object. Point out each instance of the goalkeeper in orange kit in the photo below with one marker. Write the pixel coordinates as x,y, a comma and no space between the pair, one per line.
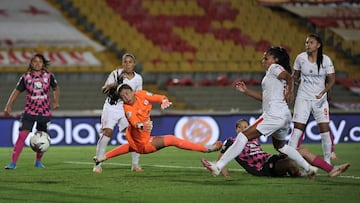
137,107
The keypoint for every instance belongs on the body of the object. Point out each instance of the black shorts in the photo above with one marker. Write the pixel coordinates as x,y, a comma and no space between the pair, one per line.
269,167
27,122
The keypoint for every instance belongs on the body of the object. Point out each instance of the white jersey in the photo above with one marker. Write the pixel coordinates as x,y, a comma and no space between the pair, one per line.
135,83
312,80
114,114
273,95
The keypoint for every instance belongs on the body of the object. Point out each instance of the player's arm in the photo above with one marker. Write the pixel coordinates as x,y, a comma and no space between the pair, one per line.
109,83
289,91
20,87
296,77
241,86
161,99
56,92
330,81
8,107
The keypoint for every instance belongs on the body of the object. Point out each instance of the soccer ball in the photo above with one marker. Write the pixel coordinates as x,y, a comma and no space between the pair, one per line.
40,142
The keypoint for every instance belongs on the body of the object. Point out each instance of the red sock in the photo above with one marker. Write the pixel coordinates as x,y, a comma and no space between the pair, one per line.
319,162
122,149
19,145
39,156
170,140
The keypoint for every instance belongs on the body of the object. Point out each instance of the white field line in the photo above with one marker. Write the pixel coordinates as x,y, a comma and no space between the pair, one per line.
182,167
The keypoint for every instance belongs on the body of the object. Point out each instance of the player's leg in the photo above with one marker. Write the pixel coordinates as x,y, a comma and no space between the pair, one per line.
135,157
42,125
297,135
233,151
325,141
285,166
317,161
135,166
117,151
160,142
321,115
333,154
109,118
26,123
301,115
278,139
105,137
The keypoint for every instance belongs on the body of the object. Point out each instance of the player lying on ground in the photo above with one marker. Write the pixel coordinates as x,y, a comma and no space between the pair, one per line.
137,107
260,163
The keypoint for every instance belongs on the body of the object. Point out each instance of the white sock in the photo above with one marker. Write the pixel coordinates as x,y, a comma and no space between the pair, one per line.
326,146
233,151
101,145
135,158
295,155
295,138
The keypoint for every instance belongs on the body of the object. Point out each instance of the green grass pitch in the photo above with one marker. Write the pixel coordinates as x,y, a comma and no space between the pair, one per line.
171,175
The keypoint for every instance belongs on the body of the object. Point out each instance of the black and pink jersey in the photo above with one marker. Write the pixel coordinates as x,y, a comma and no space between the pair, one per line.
37,86
252,158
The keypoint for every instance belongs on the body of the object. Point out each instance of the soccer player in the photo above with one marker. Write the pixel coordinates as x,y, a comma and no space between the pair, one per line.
314,74
277,90
113,112
37,82
260,163
137,107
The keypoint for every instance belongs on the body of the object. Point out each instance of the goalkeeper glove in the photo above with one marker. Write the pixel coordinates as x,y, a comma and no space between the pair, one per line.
146,126
165,103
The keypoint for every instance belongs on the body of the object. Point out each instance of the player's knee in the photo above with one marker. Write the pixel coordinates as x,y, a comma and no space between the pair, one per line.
107,132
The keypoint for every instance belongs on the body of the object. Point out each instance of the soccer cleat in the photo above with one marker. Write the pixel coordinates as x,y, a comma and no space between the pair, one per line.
97,167
11,166
214,147
311,173
338,169
136,168
211,166
38,164
97,163
333,156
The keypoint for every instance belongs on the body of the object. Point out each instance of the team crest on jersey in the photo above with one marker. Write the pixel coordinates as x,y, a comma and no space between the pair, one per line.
128,114
37,85
146,102
45,80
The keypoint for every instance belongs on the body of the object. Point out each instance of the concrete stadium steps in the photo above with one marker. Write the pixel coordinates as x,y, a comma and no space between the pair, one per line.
340,93
217,98
226,98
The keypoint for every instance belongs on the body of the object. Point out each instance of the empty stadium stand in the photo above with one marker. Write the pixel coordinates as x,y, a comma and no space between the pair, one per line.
177,39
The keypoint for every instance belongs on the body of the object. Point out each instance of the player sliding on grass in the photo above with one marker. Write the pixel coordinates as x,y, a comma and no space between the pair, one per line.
257,162
277,91
137,107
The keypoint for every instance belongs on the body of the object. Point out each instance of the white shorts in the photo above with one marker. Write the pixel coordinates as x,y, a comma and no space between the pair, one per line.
275,126
319,109
112,115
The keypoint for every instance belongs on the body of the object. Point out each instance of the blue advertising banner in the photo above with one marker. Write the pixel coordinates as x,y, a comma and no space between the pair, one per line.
204,129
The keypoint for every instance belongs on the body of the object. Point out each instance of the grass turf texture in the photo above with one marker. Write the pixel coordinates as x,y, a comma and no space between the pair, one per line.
171,175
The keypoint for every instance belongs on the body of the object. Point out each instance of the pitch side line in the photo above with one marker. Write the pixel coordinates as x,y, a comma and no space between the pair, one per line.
181,167
150,165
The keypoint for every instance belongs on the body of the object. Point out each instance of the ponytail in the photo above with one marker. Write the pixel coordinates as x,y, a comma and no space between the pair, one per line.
319,57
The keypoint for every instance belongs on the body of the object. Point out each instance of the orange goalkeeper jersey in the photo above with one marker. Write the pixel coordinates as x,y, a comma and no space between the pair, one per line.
139,112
